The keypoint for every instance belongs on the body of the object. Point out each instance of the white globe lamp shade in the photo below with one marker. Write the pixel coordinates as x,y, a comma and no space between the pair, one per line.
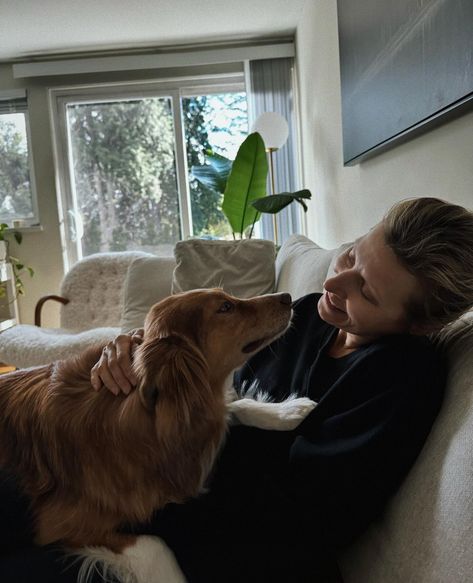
273,128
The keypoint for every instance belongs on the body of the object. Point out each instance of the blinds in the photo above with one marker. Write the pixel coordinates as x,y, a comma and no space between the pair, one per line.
13,102
271,89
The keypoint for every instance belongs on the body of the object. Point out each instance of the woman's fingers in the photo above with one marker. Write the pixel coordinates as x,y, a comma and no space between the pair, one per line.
114,368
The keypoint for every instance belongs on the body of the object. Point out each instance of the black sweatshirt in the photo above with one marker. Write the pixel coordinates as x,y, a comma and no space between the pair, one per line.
375,409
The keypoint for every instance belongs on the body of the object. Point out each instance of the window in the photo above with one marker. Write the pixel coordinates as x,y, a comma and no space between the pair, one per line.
17,200
123,166
219,122
124,155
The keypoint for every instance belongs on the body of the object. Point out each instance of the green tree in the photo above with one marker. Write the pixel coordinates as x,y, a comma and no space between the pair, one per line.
125,175
206,115
205,203
15,194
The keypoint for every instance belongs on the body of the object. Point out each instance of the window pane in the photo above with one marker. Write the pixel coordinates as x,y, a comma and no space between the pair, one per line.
124,175
16,201
218,122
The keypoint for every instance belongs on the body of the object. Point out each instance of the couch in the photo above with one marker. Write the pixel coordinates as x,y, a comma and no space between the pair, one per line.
426,533
91,306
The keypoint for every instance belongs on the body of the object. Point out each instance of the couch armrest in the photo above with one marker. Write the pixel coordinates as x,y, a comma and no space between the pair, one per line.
41,302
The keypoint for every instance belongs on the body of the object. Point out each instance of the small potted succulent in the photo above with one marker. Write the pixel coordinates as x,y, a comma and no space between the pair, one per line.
18,267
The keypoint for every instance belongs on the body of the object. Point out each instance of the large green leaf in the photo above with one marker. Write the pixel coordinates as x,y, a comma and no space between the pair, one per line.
276,202
246,183
214,174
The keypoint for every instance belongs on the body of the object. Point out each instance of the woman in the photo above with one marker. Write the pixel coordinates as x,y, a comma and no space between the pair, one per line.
279,502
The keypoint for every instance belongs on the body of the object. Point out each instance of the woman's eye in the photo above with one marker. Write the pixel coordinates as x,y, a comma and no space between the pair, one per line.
368,298
225,307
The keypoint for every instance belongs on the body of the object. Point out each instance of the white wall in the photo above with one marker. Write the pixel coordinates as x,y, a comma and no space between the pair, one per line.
348,201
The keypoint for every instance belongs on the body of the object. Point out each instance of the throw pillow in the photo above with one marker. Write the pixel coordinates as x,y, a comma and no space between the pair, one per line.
243,268
148,281
302,266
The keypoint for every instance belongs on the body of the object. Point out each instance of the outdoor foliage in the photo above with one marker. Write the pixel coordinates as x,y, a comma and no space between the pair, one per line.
15,195
225,116
125,172
125,176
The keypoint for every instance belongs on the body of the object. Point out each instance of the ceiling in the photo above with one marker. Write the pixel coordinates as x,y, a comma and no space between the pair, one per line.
41,27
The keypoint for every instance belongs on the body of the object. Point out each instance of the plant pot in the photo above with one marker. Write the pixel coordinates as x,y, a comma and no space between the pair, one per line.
3,250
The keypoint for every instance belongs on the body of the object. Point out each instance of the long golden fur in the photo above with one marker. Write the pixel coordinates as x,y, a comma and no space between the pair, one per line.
89,461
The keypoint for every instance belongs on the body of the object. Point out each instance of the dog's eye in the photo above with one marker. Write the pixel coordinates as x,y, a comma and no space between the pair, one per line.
225,307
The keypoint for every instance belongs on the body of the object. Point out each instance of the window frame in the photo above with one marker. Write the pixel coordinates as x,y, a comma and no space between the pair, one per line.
25,222
175,88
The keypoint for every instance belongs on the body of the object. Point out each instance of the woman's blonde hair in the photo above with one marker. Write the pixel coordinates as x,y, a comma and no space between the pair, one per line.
433,239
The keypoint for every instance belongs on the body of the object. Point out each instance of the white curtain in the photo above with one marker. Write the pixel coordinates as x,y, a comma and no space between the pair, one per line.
270,88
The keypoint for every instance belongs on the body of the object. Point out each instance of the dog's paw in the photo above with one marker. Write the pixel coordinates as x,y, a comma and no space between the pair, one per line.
294,411
276,416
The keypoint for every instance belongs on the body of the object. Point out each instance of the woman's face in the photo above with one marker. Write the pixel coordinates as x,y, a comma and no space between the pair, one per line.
369,292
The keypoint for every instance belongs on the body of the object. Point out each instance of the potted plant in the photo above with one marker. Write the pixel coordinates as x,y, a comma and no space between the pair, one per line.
243,185
18,268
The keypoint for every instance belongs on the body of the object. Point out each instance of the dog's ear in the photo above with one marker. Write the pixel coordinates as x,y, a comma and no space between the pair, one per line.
172,371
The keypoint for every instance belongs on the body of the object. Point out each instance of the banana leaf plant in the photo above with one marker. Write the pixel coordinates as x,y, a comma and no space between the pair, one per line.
241,181
246,183
276,202
243,185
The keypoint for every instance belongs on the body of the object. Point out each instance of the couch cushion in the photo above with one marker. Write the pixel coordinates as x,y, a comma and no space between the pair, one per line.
24,345
302,266
148,280
243,268
426,533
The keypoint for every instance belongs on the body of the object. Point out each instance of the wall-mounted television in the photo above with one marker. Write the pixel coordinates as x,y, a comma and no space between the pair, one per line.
406,65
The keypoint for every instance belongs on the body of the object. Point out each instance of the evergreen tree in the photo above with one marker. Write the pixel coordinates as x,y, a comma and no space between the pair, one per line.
205,203
125,177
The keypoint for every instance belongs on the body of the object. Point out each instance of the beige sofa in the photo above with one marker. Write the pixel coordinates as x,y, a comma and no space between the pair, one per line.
426,533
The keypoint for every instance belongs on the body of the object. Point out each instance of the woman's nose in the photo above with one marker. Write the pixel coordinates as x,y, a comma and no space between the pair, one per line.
337,284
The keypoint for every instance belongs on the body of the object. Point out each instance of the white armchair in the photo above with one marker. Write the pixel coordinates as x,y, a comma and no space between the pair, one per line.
91,295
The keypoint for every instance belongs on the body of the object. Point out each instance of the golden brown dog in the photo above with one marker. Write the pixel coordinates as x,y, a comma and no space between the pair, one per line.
89,461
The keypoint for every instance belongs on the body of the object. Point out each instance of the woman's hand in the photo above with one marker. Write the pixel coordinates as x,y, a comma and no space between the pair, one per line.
114,370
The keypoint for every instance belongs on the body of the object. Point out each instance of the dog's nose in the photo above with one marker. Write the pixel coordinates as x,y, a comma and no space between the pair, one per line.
285,299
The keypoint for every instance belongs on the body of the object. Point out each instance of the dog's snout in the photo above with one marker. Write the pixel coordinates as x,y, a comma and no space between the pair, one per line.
285,299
